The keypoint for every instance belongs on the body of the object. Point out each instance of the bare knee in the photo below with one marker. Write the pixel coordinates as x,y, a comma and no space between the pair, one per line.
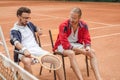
26,61
69,53
93,53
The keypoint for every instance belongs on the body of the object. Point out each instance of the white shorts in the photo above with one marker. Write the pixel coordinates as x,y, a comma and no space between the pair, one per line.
36,51
76,45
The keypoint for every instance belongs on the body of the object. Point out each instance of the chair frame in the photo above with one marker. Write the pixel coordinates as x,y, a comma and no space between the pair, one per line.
40,73
58,53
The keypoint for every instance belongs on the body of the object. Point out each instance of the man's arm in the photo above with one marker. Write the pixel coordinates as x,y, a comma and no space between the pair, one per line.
24,50
39,30
63,35
16,39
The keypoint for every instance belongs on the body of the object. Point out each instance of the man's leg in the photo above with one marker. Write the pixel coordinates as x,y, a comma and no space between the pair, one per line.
27,63
94,65
60,74
73,62
93,61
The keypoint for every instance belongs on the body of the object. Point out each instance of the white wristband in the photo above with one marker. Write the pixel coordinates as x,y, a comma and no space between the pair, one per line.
23,49
15,43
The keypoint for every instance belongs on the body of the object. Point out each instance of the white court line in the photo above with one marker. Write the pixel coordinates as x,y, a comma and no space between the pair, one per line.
63,18
105,27
43,19
109,35
67,17
49,16
88,21
99,23
44,35
96,37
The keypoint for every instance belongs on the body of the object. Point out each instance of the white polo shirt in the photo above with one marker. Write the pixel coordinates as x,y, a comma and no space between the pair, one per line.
28,41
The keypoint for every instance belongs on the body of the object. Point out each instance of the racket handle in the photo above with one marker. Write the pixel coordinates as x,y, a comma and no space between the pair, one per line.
34,59
19,52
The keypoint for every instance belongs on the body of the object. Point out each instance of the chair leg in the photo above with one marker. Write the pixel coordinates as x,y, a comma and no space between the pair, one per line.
50,66
54,75
87,66
49,71
40,70
64,66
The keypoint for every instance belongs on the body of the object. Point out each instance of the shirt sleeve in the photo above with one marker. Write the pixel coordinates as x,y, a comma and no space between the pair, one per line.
15,36
63,35
31,25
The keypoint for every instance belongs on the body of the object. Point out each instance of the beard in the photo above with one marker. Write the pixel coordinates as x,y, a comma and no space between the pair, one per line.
74,22
23,23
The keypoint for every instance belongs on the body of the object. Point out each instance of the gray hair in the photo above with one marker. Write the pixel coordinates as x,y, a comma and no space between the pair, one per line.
77,10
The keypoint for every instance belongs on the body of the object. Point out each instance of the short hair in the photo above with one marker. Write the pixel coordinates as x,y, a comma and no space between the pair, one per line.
21,10
77,10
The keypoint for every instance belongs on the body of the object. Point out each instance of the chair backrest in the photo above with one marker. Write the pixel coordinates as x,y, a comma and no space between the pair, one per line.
53,36
38,39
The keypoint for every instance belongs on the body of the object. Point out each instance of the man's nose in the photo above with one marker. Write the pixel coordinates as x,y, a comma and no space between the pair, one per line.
72,20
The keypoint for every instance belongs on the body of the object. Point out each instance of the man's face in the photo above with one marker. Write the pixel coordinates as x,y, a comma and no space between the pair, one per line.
24,18
74,18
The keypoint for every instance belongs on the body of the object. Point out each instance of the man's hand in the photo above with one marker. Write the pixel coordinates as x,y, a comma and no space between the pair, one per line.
39,31
77,50
85,51
88,51
87,48
27,53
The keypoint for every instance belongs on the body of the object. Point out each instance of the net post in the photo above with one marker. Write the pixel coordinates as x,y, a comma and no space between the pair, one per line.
4,43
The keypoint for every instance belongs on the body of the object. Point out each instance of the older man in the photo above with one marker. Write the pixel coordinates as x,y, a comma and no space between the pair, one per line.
74,38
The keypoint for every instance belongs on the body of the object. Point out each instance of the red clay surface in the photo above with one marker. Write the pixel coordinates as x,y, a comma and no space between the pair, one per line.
104,23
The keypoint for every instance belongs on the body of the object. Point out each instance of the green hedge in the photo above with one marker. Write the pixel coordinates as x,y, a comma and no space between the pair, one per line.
96,0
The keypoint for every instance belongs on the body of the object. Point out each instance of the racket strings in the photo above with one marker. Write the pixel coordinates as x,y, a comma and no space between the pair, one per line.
51,62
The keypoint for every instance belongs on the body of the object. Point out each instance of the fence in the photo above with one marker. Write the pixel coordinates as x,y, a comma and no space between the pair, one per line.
11,71
8,69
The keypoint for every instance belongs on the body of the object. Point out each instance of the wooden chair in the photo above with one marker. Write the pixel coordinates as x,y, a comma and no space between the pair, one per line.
39,42
53,37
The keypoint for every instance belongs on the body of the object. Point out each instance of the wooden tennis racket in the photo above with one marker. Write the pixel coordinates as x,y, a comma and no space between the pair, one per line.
48,61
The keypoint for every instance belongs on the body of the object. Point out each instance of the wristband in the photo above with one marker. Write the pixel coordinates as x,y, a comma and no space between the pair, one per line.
23,50
15,43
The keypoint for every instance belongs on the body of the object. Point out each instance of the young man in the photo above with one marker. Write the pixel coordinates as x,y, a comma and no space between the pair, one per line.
23,38
74,38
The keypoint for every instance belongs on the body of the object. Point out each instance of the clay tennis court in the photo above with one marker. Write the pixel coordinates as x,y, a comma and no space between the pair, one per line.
103,20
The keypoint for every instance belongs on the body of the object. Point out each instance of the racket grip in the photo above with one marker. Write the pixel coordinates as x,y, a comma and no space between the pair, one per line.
19,52
34,60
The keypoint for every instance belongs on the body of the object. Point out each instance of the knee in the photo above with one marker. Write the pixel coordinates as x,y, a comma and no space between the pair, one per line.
71,54
26,61
93,53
